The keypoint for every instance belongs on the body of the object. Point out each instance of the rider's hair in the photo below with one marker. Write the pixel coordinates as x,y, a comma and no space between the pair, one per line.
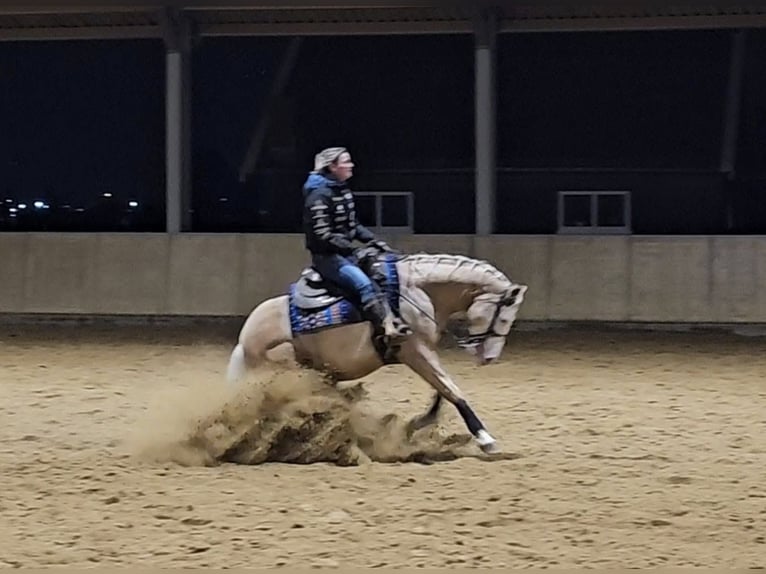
325,158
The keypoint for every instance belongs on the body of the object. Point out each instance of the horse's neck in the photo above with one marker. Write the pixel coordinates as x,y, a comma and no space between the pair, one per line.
451,281
423,269
449,298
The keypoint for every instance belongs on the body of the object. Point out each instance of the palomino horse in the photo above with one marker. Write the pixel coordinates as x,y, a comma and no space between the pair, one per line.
329,334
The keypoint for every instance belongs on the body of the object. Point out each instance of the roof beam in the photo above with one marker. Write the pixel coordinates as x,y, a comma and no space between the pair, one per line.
63,6
632,23
245,5
33,9
44,20
81,33
333,28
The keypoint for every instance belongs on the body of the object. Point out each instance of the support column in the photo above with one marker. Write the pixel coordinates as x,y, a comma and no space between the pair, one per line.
177,122
485,38
731,120
733,102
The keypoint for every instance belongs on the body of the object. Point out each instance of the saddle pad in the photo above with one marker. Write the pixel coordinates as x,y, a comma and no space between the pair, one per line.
303,321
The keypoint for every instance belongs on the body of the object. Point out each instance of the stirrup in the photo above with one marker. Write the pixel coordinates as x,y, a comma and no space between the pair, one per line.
401,329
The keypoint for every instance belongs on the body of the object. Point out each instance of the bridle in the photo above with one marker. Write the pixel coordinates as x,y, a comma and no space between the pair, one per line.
366,258
474,340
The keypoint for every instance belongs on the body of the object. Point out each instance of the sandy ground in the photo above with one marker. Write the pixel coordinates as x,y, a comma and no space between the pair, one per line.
630,449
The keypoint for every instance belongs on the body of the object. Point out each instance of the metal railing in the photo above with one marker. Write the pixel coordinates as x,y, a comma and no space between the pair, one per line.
593,222
380,222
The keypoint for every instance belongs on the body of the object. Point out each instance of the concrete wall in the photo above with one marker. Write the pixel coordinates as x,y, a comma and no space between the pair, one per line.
651,279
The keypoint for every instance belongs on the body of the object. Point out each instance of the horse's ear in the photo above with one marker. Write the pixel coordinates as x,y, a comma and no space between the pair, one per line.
513,293
518,289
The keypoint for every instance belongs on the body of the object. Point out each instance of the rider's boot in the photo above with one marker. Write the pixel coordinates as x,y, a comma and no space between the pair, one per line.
379,311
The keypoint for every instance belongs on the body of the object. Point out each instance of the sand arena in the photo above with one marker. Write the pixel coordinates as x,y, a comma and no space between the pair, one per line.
123,446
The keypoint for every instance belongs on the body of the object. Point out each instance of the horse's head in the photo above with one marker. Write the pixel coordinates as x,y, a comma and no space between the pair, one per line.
490,318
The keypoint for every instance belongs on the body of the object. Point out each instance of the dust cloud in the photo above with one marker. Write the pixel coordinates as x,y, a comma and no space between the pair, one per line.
289,416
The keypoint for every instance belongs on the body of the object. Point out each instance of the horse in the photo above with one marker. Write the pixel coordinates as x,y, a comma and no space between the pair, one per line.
330,335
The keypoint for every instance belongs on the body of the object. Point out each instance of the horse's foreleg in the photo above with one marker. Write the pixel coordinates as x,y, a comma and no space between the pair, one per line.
425,362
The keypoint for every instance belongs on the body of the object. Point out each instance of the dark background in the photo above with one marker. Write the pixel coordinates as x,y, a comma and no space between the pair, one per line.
636,111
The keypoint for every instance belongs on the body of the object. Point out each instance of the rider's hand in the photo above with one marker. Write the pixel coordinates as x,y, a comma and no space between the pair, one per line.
368,252
380,245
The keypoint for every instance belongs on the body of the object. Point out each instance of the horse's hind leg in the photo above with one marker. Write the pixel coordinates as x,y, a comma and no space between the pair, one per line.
237,367
245,356
425,362
431,416
267,327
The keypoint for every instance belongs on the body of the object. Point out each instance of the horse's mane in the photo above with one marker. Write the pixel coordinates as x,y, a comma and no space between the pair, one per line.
448,268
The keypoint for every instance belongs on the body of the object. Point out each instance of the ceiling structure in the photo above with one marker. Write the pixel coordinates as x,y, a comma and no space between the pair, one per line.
179,21
36,20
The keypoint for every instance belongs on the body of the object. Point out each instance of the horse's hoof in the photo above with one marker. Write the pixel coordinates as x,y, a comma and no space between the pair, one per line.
486,442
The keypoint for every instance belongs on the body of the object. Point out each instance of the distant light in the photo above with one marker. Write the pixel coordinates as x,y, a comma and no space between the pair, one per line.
39,204
79,210
223,199
107,194
22,205
132,204
8,201
12,209
13,215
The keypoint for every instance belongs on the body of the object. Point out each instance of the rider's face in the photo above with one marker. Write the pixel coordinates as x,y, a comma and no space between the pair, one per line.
343,168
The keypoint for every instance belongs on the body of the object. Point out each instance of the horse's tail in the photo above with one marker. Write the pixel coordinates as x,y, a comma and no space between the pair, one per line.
237,366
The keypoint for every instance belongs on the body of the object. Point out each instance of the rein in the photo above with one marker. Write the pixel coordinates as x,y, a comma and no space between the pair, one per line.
469,340
466,341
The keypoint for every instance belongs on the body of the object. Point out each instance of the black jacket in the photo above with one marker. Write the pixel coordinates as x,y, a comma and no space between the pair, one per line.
329,217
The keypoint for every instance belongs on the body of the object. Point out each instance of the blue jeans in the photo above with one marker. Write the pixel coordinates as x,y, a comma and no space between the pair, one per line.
346,274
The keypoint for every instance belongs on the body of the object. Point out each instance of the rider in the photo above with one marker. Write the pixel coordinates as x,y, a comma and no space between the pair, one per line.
331,226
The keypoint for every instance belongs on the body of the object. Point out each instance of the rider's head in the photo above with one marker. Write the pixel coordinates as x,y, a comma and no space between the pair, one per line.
334,161
490,318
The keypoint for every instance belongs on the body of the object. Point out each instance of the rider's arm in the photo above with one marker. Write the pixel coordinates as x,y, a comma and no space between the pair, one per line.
320,213
363,234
